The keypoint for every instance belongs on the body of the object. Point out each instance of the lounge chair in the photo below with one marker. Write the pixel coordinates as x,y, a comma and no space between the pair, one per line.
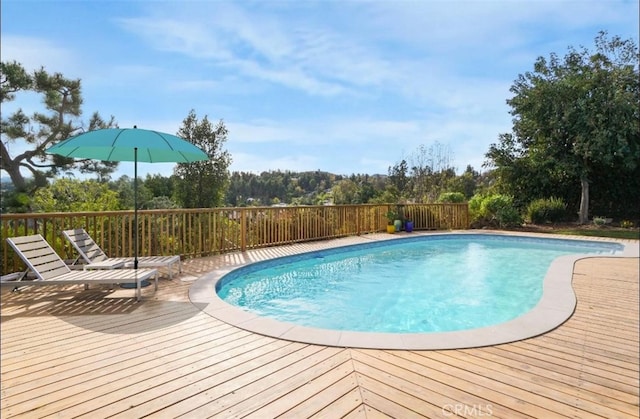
50,269
94,257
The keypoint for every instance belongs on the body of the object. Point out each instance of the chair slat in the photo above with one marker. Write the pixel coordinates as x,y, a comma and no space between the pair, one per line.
50,269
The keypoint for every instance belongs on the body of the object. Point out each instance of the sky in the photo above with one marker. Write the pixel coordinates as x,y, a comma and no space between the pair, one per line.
347,87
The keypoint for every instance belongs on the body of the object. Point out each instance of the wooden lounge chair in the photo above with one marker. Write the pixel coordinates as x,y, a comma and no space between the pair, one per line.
50,269
94,257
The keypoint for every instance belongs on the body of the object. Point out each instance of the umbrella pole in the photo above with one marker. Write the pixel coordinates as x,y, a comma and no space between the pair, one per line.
135,207
144,283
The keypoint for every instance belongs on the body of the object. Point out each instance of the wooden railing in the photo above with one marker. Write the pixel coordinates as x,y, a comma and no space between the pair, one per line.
202,232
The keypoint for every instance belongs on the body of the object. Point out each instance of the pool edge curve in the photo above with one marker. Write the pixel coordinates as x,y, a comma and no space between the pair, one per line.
556,305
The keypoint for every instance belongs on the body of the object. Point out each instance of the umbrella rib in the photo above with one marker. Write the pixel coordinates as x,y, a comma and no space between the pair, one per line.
165,140
115,139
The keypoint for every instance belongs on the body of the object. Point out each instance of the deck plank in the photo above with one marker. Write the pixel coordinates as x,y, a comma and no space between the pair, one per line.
267,387
182,393
419,382
344,395
98,371
278,398
67,352
502,397
553,389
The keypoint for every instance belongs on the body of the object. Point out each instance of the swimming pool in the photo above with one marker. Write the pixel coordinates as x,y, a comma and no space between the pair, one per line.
435,284
547,303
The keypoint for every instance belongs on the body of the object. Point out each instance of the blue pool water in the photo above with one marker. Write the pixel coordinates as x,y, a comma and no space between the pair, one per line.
417,285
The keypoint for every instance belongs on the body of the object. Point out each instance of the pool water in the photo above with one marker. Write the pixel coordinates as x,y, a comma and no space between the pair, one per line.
426,284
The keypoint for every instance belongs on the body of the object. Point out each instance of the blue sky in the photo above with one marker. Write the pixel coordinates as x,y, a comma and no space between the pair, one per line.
339,86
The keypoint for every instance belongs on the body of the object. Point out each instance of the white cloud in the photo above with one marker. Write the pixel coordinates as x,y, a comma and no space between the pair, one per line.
342,86
33,53
246,162
264,131
303,55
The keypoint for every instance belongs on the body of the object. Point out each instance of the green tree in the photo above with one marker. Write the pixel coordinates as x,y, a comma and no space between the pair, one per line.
430,172
62,100
203,184
160,202
159,185
398,180
124,187
72,195
451,197
574,119
345,192
466,183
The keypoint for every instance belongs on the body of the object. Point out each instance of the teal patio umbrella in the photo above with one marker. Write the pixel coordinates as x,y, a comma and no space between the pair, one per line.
129,144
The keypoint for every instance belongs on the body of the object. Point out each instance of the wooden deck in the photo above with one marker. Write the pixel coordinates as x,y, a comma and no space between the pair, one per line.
66,352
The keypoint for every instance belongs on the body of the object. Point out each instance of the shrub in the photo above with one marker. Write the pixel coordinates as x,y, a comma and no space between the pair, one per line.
160,202
475,208
492,204
626,224
497,210
549,210
508,217
72,195
451,197
599,221
391,216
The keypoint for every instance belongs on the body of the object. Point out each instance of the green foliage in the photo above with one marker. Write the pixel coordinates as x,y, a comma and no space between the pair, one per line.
160,202
604,232
398,178
475,208
306,188
508,217
467,184
615,193
545,210
392,216
417,183
430,172
15,202
14,79
59,120
250,189
493,210
451,197
626,224
71,195
575,122
159,185
599,221
203,184
494,203
124,187
346,192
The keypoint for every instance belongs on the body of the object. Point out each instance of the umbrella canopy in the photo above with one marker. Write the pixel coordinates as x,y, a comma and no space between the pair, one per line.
120,144
129,144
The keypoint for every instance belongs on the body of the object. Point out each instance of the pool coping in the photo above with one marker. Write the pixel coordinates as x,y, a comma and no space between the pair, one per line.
556,305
